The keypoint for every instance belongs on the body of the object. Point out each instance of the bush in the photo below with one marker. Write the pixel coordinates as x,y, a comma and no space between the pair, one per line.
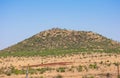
61,69
80,68
58,76
93,66
8,73
43,70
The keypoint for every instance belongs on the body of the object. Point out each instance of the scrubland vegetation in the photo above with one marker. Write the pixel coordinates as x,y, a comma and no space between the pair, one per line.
84,65
60,42
90,55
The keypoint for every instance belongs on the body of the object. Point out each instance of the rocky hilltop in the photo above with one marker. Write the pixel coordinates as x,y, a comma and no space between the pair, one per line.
62,40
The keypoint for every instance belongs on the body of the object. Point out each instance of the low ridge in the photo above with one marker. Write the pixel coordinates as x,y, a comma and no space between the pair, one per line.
62,41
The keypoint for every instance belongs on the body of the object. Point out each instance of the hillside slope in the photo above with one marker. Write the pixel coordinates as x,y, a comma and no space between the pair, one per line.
63,41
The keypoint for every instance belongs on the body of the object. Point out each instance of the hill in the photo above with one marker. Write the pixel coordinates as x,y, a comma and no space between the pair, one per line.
61,41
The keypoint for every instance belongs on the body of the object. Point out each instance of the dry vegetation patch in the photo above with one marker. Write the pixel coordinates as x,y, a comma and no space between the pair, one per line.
84,65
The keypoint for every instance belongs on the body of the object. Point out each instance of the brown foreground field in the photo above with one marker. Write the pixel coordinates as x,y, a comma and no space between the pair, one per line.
84,65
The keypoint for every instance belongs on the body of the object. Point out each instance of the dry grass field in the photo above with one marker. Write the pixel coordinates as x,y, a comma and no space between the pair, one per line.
84,65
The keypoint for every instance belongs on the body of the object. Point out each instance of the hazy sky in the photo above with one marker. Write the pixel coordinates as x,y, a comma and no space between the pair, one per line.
20,19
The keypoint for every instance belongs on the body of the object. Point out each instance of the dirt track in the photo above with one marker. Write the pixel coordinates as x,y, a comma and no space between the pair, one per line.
50,64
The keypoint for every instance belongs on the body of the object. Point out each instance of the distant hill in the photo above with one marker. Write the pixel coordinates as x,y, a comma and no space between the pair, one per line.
61,41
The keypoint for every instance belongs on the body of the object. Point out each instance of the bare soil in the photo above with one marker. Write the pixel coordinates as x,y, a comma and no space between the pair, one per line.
96,65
